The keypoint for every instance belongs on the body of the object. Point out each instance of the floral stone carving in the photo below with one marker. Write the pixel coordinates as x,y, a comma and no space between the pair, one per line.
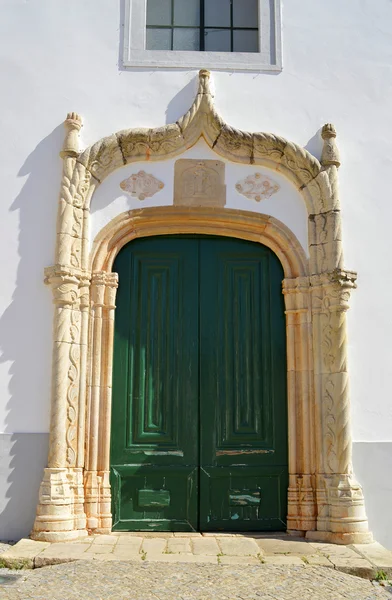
141,185
257,187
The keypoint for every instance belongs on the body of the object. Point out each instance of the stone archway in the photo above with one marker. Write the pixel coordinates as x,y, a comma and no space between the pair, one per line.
324,500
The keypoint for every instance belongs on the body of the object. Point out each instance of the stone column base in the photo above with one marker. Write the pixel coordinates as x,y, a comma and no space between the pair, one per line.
60,515
301,504
341,515
333,537
98,501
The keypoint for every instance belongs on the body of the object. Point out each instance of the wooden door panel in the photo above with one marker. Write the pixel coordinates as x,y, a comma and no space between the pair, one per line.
242,384
155,384
243,498
155,498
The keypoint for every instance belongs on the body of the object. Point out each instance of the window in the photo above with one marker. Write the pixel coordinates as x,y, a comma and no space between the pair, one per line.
214,34
206,25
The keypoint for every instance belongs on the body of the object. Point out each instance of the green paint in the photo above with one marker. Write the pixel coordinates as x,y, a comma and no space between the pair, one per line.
244,497
199,421
153,498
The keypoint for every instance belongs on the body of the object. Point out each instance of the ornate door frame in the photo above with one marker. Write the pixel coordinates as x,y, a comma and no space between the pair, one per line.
324,500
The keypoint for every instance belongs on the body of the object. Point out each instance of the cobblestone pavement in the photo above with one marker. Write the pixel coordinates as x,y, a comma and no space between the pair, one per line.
96,580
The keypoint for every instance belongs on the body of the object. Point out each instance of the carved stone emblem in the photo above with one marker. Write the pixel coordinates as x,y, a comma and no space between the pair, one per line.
257,187
199,182
142,185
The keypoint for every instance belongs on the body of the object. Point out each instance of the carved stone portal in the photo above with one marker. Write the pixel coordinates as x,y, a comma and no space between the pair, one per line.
199,183
325,501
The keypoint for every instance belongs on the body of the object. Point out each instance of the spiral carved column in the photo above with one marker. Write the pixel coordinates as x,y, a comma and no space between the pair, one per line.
60,511
341,510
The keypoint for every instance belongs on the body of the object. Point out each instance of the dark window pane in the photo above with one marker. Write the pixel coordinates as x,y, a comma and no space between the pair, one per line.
187,12
245,40
158,39
186,39
245,13
217,13
159,12
217,40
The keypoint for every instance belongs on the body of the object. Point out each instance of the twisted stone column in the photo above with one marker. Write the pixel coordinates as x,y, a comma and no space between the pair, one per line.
340,506
60,511
341,513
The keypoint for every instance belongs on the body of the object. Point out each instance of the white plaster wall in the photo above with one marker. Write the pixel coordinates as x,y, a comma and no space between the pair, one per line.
64,55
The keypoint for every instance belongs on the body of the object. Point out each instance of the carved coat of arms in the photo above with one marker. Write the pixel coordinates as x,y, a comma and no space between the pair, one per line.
257,187
141,185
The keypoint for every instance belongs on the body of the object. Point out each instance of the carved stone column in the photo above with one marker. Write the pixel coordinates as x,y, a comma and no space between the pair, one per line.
97,485
341,511
60,513
301,494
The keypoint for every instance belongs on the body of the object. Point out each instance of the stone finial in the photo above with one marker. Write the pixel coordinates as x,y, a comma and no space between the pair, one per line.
72,125
204,82
330,154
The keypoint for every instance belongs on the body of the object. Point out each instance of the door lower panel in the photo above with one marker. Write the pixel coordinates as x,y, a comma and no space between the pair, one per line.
148,498
243,498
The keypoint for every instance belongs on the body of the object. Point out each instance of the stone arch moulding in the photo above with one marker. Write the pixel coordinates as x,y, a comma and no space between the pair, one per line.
324,500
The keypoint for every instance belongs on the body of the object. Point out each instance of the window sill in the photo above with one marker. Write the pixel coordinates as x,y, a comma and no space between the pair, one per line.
240,61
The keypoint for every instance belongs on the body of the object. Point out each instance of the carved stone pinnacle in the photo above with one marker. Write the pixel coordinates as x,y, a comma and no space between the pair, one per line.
330,154
204,82
72,125
328,131
73,121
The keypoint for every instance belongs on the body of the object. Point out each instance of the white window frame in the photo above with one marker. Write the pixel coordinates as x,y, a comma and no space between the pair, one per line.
269,58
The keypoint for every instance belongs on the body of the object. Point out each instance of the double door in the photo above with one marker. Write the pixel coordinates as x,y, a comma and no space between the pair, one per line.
199,417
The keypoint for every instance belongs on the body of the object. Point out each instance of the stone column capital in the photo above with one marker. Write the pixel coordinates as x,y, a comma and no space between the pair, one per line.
331,291
295,285
103,289
296,294
68,284
339,278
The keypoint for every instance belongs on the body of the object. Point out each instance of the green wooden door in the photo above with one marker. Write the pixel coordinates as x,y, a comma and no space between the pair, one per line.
199,423
155,437
243,433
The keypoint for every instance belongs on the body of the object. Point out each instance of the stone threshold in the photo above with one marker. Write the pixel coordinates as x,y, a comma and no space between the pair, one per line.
368,561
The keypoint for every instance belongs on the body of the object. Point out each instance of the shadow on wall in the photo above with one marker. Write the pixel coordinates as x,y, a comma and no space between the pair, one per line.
181,102
26,340
373,466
